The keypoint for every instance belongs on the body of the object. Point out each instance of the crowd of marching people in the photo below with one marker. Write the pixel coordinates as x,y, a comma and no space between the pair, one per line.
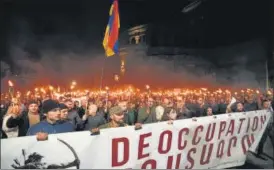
50,115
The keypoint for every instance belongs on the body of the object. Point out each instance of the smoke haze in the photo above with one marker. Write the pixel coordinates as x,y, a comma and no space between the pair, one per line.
59,59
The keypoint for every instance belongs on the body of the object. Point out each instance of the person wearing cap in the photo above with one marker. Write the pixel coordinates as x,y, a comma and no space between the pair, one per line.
23,120
51,124
117,118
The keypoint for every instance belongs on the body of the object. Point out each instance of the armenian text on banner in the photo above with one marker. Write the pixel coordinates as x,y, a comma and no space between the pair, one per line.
209,142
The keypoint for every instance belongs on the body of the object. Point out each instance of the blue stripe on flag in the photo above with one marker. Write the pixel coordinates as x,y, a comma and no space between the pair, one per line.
116,47
110,23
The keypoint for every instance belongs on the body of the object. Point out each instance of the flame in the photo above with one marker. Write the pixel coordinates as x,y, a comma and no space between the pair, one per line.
50,88
42,90
147,87
73,83
10,83
71,87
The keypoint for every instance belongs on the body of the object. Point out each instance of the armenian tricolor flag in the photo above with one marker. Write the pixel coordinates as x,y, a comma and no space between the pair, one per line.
110,41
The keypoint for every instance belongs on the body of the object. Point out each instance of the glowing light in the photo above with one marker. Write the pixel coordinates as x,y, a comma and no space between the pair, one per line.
71,87
50,88
116,77
10,83
73,83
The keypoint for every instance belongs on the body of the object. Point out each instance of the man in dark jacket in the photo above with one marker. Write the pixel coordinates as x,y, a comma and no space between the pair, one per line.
51,125
92,118
73,116
222,106
266,105
147,114
250,104
129,117
82,109
198,108
25,119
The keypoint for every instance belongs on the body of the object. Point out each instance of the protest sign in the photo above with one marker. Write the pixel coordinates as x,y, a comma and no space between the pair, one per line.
209,142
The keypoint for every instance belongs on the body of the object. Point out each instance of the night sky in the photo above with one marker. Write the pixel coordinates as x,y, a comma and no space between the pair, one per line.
59,22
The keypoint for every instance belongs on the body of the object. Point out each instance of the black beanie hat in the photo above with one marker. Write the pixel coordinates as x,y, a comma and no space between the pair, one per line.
32,102
63,106
49,105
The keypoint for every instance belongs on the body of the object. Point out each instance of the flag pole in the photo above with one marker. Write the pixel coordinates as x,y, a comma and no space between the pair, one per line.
266,76
102,73
110,41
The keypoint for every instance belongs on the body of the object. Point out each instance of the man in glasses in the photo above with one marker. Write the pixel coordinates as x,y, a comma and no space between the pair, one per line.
51,124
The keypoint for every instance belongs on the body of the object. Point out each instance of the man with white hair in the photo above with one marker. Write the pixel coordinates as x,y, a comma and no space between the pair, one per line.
159,113
92,118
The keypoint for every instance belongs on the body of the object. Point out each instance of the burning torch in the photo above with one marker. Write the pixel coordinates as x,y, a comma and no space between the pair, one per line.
51,89
11,89
73,84
116,79
28,94
148,90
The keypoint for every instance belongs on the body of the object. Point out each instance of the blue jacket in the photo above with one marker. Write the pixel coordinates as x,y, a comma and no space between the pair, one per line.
44,126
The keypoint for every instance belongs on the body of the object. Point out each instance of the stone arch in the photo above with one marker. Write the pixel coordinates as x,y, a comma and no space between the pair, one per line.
132,40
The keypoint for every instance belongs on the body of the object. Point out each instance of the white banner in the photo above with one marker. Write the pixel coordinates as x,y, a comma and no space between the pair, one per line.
209,142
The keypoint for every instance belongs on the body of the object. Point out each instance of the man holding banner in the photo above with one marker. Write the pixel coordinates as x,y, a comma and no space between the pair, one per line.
266,105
